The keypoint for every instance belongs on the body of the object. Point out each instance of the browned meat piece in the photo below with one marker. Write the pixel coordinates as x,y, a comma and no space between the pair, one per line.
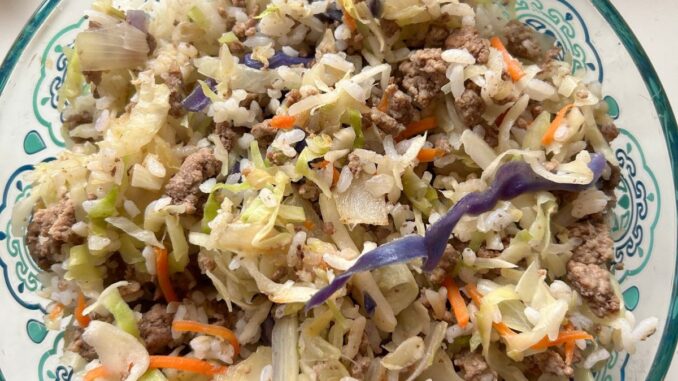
239,3
400,105
484,252
293,96
474,367
436,37
593,283
75,343
468,38
522,41
389,27
609,131
611,183
383,122
174,80
471,107
155,328
309,191
206,263
360,366
227,135
355,43
424,75
596,246
49,230
548,362
245,29
263,129
183,187
447,263
442,143
354,164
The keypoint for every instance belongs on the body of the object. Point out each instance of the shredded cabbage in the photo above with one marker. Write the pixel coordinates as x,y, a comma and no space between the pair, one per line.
121,353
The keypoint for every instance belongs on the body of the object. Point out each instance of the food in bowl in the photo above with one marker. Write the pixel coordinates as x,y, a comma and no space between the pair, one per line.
375,190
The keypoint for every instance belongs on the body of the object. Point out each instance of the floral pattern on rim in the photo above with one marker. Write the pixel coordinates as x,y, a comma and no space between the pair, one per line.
568,28
52,74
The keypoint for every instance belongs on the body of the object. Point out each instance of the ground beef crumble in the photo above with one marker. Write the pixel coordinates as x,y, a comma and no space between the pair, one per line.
424,75
470,107
468,38
522,41
75,343
474,368
550,362
49,230
183,187
383,122
155,328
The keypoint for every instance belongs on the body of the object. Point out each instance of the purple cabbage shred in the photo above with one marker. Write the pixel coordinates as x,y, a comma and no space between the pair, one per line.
512,180
277,60
197,100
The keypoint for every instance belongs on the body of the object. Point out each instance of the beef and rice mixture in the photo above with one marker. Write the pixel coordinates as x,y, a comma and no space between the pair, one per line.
227,162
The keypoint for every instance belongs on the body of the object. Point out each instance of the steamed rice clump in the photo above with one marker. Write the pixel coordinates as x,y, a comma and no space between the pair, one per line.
227,162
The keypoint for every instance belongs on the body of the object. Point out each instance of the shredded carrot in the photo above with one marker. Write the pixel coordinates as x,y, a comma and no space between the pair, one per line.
79,307
427,155
213,330
472,291
56,311
309,225
335,175
350,22
551,132
569,352
563,337
320,164
457,302
283,122
503,329
512,65
94,373
186,364
477,298
416,128
162,269
383,103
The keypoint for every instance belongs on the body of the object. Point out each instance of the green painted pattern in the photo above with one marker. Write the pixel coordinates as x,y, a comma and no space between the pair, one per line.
33,143
53,44
650,197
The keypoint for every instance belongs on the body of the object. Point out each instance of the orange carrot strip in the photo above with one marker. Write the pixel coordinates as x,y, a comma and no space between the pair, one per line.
569,352
284,122
503,329
309,225
550,133
56,311
383,103
563,337
335,175
320,164
427,155
457,302
162,269
472,291
477,298
350,22
79,307
213,330
416,128
186,364
512,65
94,373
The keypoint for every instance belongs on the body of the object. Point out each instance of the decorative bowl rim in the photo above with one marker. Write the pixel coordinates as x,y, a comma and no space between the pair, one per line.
667,344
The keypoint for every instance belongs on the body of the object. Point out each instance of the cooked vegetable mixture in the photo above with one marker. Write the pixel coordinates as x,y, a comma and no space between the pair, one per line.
328,190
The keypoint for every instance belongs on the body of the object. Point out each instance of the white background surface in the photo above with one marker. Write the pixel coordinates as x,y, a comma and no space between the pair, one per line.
653,22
